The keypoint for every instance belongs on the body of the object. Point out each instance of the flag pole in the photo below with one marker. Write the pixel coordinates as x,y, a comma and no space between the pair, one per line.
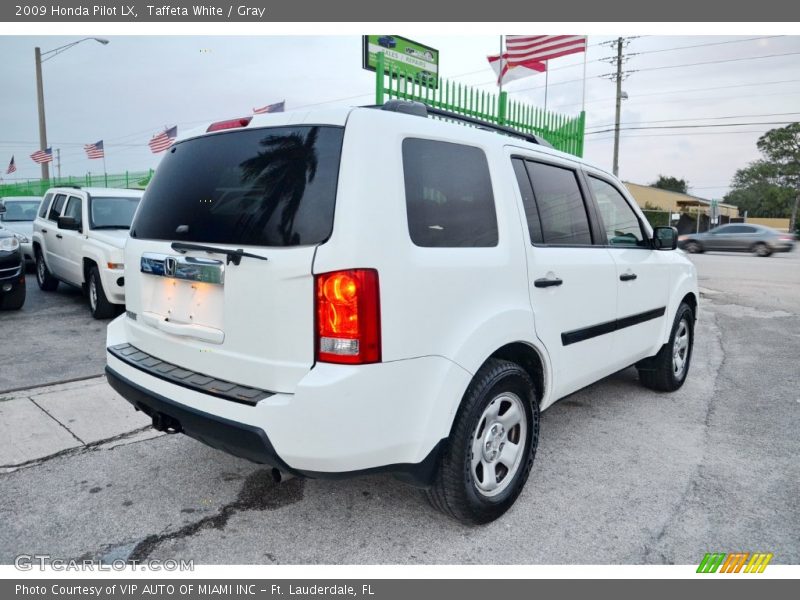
501,65
583,93
546,79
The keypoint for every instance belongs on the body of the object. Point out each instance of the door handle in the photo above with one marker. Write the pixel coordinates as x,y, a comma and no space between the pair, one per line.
545,282
44,230
59,236
627,277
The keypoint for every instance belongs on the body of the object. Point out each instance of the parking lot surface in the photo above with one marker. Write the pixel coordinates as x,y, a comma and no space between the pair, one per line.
622,475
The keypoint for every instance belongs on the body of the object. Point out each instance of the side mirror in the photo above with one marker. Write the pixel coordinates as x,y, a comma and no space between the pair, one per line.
665,238
69,223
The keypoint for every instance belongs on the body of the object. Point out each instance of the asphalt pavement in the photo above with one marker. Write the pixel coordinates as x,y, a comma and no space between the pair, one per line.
622,475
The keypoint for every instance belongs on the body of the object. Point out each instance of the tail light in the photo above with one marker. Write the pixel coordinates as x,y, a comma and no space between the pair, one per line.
348,317
229,124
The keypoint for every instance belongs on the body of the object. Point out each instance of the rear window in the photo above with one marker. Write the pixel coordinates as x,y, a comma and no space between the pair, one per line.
449,198
262,187
111,212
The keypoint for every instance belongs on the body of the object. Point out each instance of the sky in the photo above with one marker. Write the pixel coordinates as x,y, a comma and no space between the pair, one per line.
125,92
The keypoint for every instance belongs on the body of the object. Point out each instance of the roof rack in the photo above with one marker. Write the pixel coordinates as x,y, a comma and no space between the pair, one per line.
74,187
418,109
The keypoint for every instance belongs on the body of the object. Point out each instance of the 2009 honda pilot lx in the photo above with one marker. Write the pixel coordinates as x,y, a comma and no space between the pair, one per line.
357,290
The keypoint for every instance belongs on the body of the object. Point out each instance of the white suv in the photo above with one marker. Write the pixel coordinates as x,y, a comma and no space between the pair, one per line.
78,236
343,292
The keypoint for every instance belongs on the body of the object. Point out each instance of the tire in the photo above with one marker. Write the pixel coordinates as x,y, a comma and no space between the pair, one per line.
98,303
693,247
762,250
660,372
44,278
13,300
499,407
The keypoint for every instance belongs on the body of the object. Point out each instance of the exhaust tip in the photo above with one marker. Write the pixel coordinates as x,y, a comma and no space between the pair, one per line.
278,476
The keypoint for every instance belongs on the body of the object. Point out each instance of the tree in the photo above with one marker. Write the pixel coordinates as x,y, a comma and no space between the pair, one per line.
781,147
754,189
673,184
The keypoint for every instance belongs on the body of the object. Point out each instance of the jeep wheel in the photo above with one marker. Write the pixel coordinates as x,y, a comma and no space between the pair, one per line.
693,247
762,250
491,447
667,370
98,303
46,281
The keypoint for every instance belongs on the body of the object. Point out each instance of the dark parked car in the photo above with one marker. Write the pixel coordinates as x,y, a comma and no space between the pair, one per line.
738,237
12,271
387,41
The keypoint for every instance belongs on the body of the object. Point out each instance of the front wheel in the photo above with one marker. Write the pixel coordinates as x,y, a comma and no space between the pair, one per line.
98,303
492,446
693,247
762,250
44,278
667,370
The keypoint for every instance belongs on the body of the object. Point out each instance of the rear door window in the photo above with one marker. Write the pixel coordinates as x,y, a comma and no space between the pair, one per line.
449,199
55,210
561,206
262,187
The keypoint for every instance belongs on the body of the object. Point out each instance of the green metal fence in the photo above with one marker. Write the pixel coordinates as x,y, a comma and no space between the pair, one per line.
37,187
563,132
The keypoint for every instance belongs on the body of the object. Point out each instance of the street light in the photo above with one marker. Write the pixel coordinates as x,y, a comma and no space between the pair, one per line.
41,57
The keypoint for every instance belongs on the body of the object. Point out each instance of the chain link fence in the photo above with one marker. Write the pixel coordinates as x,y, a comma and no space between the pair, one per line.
37,187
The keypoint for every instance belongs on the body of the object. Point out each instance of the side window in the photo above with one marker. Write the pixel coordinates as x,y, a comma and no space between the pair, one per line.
747,229
45,205
528,201
449,199
622,226
55,210
562,211
74,209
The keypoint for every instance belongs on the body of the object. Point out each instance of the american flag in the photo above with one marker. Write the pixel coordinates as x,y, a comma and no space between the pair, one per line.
163,140
94,150
539,48
43,156
270,108
11,167
507,72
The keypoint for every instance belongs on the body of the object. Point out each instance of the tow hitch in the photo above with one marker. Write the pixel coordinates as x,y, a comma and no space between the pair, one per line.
165,423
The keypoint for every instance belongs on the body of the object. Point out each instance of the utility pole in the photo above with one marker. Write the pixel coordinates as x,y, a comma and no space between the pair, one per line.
37,52
618,78
58,163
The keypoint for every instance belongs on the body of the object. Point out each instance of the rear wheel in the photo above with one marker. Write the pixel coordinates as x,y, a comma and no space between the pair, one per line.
98,303
491,448
46,281
693,247
667,370
762,250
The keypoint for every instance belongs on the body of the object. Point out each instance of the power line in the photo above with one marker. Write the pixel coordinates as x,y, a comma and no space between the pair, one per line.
700,119
693,126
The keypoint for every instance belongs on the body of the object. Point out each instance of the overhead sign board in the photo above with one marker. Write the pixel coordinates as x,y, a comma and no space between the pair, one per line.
418,61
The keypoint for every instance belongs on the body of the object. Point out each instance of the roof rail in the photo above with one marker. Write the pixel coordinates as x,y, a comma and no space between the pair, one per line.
419,109
74,187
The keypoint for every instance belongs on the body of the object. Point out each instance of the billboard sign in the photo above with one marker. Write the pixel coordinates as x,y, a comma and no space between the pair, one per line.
419,61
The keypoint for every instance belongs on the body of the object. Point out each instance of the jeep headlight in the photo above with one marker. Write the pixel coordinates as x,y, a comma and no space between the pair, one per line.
9,244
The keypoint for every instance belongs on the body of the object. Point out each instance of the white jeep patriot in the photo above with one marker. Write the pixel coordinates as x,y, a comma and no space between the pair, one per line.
381,289
78,236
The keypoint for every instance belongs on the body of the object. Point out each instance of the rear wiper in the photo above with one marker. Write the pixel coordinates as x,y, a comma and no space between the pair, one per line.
234,256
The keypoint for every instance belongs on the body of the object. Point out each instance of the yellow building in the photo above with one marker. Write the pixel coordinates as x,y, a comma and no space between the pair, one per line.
651,198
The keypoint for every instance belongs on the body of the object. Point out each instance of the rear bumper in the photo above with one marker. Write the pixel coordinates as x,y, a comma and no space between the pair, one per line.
341,420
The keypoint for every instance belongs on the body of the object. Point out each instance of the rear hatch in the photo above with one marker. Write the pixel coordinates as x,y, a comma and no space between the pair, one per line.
266,196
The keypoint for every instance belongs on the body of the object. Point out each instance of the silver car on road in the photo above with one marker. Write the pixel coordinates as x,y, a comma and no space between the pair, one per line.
738,237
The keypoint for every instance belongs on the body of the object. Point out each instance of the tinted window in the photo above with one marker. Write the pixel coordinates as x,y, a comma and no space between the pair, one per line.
561,208
58,204
45,204
449,198
20,210
262,187
621,225
111,213
528,201
74,209
736,229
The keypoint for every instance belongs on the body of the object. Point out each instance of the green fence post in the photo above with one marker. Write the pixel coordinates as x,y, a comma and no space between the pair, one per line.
379,75
581,133
501,108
